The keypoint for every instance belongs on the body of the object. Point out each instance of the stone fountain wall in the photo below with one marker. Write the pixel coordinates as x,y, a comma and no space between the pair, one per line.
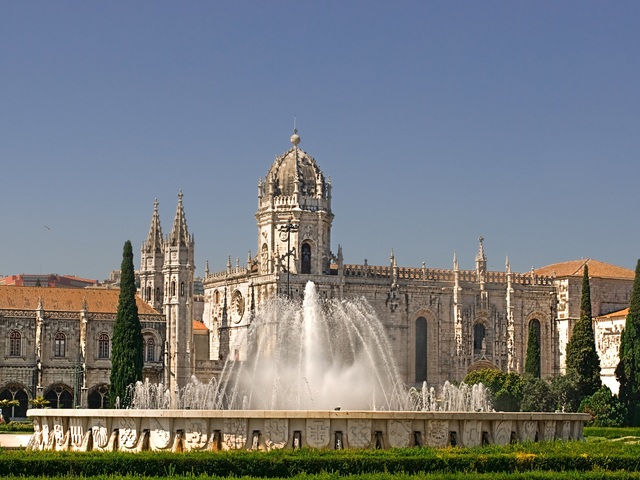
189,430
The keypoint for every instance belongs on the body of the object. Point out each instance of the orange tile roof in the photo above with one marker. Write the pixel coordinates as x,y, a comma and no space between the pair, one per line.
198,325
574,268
99,300
617,314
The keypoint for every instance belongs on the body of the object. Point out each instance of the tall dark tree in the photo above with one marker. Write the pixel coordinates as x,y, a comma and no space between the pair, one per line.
532,362
583,363
126,343
628,370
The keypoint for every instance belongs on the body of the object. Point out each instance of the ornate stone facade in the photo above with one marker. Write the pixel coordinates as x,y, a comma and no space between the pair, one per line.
441,323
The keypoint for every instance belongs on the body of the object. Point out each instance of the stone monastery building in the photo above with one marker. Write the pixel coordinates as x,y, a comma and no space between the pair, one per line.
441,323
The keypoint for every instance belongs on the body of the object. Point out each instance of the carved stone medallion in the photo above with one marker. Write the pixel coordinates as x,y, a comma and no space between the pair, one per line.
527,430
318,432
437,433
77,431
276,433
549,430
196,434
502,432
359,433
159,432
99,432
399,433
234,435
471,433
58,430
127,433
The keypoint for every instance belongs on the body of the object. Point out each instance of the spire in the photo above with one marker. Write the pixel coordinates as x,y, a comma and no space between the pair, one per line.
180,233
481,263
508,265
455,261
154,240
480,255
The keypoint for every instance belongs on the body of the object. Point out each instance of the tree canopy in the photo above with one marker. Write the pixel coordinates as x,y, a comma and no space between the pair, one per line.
583,363
628,369
126,343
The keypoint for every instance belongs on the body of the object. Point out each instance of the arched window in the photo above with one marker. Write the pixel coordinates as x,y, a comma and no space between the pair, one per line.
59,345
157,299
173,288
103,345
15,344
535,323
60,396
149,350
216,296
306,258
148,295
421,350
99,398
182,289
479,343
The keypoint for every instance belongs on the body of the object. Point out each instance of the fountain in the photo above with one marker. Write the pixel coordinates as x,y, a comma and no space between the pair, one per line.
320,376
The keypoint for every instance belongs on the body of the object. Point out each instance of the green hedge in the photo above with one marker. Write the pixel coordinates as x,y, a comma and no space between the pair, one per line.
393,476
552,456
26,427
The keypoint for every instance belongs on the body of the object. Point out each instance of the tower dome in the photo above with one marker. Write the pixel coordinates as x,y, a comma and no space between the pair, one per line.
296,171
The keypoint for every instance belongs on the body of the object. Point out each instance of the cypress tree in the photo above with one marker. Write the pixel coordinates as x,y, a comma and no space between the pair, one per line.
583,362
126,344
532,362
628,369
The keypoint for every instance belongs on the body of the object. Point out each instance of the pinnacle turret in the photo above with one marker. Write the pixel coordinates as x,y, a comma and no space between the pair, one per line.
180,233
154,239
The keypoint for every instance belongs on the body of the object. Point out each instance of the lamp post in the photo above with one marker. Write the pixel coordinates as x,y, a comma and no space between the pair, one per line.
285,234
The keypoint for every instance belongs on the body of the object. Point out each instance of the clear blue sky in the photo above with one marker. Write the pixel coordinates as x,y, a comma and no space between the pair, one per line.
437,121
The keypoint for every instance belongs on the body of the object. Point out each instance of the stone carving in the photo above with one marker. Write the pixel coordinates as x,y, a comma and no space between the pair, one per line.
437,433
471,433
58,430
99,432
399,433
359,433
276,433
196,434
527,430
237,301
76,430
502,432
608,344
234,435
549,430
127,432
45,433
318,433
160,432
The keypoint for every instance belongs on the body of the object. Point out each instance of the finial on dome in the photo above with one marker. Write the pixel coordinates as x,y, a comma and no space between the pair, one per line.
295,138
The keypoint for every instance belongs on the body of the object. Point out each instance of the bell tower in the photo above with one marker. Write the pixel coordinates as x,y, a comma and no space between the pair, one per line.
151,264
178,293
294,215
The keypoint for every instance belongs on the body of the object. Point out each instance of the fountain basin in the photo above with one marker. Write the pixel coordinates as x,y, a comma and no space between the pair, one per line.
214,430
